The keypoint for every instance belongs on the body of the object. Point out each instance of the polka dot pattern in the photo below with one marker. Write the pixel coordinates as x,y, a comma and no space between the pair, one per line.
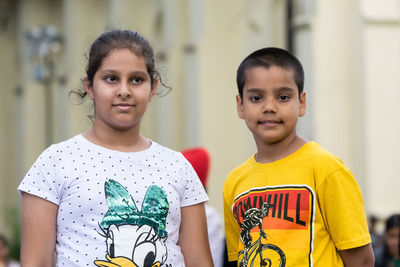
72,175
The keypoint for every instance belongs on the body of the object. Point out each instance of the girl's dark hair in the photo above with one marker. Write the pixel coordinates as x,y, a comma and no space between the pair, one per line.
119,39
267,57
391,222
3,240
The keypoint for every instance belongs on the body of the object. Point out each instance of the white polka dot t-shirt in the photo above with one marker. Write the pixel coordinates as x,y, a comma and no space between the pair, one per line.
115,208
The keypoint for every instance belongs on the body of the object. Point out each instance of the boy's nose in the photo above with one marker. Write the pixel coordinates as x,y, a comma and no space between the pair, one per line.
269,106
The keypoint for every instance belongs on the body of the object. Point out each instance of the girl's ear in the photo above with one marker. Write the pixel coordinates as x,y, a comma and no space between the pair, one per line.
153,89
88,88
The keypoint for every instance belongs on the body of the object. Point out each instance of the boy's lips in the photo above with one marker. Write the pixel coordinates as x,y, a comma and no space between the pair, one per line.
270,123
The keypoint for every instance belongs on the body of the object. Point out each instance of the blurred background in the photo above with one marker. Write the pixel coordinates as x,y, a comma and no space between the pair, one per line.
350,50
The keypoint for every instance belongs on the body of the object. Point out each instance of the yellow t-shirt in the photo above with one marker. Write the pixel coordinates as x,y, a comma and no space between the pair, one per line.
314,208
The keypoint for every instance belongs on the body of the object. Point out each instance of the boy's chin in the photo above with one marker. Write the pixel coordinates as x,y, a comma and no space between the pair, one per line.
273,139
270,140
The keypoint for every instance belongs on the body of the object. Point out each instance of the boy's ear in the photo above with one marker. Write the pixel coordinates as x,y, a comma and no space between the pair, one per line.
302,109
153,89
88,88
239,106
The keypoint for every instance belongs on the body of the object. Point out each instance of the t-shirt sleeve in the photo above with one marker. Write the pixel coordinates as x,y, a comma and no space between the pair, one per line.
194,192
343,210
232,230
40,180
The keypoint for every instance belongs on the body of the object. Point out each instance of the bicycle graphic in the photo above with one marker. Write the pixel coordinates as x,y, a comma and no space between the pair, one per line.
260,251
257,252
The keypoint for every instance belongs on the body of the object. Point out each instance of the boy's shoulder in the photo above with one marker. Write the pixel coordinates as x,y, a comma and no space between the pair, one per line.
314,150
322,157
310,151
314,156
311,154
242,167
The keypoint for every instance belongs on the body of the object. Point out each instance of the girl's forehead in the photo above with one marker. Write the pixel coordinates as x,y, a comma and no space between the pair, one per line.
123,58
123,52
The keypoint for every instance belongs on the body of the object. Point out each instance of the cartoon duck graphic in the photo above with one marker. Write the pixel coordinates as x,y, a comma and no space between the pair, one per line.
134,238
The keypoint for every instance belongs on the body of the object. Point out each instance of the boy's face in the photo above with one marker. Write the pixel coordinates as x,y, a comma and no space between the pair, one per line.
271,104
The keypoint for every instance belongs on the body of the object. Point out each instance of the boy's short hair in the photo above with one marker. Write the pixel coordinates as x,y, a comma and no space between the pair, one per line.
267,57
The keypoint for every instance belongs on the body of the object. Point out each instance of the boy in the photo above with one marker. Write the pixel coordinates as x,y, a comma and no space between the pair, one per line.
293,203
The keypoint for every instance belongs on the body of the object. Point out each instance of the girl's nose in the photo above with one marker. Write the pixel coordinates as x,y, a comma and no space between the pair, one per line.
123,90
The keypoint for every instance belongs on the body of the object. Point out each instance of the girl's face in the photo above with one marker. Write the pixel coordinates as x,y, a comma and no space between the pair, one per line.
392,241
121,90
3,251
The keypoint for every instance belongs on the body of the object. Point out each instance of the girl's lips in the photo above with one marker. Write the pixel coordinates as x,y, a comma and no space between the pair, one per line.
124,107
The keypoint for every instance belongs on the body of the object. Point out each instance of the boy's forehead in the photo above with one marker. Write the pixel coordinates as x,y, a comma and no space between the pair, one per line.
272,76
282,70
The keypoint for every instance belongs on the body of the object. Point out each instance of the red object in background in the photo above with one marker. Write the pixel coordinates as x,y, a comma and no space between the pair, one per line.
200,160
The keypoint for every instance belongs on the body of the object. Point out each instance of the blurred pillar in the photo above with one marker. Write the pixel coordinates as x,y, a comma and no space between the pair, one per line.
337,98
8,119
195,11
381,65
79,32
230,30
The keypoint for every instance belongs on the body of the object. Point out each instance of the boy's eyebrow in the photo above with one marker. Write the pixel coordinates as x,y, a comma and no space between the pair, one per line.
276,90
284,90
254,90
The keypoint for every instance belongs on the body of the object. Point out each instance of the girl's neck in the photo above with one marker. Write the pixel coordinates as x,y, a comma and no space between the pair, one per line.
120,140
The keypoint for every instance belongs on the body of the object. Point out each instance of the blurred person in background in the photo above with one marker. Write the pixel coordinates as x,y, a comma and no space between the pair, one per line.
5,260
200,160
376,237
388,254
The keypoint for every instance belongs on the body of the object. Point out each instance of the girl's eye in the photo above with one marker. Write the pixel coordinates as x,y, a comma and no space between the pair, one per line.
137,80
110,79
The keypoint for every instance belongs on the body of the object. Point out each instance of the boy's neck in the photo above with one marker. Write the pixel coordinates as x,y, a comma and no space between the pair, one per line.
267,153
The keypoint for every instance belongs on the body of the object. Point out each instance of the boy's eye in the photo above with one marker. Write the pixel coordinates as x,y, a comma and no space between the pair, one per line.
255,98
283,98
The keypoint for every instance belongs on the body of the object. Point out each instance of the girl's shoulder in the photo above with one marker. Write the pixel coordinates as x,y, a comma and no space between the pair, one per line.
161,149
171,159
75,141
167,154
58,148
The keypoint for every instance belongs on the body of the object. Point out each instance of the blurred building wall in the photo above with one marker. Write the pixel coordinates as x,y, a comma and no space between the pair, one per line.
350,50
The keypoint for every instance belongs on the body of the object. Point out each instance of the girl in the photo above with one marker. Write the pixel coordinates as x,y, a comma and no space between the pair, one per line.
5,260
110,196
389,255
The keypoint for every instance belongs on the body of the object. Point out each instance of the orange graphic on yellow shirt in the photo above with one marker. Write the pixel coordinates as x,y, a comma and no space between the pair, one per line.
288,208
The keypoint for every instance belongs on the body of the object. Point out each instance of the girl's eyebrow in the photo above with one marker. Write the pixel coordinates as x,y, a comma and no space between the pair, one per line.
136,72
